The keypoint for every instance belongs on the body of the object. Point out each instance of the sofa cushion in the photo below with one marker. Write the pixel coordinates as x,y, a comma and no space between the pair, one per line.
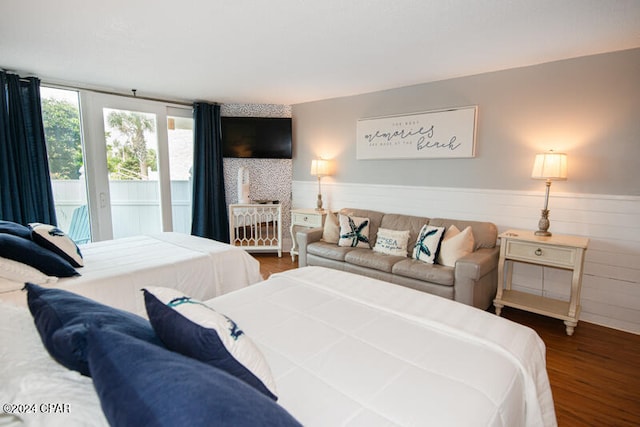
392,242
375,218
354,231
485,234
428,243
405,222
329,250
419,270
331,231
371,259
455,245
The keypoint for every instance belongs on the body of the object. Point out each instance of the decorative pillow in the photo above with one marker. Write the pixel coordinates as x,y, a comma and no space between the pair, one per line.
455,245
428,243
52,238
30,253
354,231
140,384
18,272
13,228
331,232
392,242
63,318
196,330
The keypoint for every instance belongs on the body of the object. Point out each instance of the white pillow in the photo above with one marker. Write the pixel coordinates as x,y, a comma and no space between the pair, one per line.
428,243
54,239
331,232
208,336
354,231
392,242
455,245
18,272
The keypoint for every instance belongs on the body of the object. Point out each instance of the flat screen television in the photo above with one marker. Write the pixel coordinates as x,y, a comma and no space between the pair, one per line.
256,137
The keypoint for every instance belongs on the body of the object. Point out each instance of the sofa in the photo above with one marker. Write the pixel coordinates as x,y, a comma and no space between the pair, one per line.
470,277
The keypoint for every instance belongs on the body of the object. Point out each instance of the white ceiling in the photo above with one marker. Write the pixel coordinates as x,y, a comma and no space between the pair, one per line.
293,51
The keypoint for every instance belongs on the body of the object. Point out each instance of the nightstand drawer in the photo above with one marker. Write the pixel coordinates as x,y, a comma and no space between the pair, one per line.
307,220
541,254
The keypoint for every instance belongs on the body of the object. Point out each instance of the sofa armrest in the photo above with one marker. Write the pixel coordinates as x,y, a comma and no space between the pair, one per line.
476,277
305,237
478,263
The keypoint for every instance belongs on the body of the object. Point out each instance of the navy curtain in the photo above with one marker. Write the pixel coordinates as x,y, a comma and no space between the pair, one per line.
25,186
209,205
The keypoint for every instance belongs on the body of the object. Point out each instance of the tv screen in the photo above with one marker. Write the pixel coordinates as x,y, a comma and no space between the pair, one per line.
256,137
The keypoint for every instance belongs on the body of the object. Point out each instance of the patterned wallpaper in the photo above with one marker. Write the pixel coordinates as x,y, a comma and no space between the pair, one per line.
269,179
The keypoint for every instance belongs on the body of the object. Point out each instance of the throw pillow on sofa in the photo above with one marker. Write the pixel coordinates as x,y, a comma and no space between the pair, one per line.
428,243
455,245
354,232
392,242
331,232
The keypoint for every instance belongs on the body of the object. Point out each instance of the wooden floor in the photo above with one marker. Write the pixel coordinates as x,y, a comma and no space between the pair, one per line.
594,374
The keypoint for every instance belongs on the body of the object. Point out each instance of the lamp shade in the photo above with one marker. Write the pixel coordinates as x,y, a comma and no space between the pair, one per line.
320,167
551,166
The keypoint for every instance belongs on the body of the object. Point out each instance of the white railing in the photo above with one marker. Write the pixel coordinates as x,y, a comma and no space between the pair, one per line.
135,206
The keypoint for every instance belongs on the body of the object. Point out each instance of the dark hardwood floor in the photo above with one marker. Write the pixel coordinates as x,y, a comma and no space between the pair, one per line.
594,374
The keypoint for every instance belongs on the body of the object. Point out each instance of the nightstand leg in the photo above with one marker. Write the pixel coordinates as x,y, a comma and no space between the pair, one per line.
498,308
571,325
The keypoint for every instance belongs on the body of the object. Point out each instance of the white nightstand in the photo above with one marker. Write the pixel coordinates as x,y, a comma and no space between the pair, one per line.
306,218
566,252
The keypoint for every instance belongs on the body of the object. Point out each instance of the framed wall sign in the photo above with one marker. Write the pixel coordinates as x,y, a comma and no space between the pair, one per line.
437,134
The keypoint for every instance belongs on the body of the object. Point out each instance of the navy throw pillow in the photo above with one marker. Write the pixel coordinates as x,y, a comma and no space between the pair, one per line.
28,252
13,228
63,318
140,384
191,328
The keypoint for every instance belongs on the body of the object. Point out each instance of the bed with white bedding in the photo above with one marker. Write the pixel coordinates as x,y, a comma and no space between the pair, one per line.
114,271
343,350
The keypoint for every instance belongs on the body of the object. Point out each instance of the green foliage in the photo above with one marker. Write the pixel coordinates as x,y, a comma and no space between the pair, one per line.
61,121
130,159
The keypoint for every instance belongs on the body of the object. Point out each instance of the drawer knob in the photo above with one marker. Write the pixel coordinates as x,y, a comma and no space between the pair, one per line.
538,252
306,218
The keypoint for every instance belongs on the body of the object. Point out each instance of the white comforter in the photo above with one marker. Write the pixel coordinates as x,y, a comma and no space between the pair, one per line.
116,270
353,351
345,350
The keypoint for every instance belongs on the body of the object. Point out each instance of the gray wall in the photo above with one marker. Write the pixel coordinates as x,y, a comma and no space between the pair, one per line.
587,107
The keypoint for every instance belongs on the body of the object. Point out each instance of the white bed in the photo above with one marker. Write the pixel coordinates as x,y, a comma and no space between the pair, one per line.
115,270
345,350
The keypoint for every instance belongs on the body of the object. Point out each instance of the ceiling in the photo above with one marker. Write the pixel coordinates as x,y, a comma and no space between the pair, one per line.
294,51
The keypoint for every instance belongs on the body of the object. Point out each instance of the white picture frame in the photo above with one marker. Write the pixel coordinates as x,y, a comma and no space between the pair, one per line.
440,134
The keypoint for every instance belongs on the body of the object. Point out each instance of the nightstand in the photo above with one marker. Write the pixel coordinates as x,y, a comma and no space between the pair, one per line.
565,252
306,218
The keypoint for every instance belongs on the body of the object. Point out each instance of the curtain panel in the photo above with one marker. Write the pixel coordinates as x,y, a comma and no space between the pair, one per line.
26,194
210,218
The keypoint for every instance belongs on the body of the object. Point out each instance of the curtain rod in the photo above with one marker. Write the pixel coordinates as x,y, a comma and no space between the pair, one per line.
107,92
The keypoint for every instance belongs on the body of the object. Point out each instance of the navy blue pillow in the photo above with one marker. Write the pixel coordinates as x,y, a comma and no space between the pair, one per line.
182,335
30,253
63,318
140,384
15,229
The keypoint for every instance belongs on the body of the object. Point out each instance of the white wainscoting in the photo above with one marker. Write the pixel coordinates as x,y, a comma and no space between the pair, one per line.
611,281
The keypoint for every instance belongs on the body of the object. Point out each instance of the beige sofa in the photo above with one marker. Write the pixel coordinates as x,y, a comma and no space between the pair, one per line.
472,281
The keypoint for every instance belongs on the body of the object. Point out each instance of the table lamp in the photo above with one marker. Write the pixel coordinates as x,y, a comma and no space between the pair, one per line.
549,166
320,168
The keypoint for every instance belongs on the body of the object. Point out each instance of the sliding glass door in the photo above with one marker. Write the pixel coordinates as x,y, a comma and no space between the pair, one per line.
134,166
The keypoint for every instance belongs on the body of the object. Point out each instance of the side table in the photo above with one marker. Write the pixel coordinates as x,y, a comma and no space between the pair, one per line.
565,252
306,218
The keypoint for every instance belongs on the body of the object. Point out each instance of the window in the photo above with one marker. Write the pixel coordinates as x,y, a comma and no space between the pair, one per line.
109,157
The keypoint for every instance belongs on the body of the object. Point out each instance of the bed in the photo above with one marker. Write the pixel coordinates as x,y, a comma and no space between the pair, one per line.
343,350
115,270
